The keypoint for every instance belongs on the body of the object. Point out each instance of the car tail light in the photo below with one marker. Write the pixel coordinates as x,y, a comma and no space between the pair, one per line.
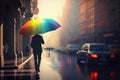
94,56
112,55
94,75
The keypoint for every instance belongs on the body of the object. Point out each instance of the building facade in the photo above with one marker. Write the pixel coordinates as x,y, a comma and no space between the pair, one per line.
12,16
99,21
87,21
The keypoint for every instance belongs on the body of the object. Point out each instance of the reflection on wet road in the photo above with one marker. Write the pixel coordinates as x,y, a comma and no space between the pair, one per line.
47,72
67,67
61,66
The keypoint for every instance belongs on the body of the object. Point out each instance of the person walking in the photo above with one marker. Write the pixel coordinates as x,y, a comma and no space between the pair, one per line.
36,42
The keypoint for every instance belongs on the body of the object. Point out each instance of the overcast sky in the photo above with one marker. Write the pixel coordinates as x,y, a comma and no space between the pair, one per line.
67,13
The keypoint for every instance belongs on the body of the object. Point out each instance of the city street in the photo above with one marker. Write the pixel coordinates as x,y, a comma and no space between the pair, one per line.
68,31
61,66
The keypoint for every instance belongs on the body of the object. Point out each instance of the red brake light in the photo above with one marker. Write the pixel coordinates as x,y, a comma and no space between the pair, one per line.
94,55
93,75
112,55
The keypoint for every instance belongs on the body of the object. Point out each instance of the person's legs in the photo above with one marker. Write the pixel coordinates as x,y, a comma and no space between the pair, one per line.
35,62
39,61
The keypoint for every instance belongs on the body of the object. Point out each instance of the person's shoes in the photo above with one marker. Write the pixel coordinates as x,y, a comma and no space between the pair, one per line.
38,70
37,77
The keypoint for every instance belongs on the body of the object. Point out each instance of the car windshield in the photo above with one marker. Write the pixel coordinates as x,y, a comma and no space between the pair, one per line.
99,48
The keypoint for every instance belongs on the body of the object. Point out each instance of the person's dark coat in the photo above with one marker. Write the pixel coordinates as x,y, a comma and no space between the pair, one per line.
36,42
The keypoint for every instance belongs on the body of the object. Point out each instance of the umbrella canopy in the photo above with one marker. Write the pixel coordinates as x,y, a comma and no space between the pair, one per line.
39,26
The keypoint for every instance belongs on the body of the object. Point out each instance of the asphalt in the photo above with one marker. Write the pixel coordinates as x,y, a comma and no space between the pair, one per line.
10,64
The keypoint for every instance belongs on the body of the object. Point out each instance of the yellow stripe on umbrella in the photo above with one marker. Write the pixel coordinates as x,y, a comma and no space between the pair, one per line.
39,26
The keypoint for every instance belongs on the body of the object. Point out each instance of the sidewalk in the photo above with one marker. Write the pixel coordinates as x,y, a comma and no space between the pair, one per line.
15,64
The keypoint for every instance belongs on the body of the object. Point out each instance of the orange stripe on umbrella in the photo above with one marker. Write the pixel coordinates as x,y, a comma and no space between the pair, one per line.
39,26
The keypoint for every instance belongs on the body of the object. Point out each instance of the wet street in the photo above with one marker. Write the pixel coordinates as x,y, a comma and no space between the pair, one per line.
61,66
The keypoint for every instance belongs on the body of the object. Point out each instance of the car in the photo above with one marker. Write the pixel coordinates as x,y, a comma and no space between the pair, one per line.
115,48
72,48
95,53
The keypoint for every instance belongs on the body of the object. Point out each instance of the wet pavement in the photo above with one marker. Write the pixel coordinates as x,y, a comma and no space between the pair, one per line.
61,66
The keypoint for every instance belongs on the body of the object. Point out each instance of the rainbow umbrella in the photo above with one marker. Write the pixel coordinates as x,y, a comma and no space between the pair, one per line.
38,26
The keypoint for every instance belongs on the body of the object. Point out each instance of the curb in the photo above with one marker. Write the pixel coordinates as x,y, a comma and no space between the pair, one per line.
22,64
18,66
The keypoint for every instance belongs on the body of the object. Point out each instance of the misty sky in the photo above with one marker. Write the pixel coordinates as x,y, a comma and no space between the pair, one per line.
67,13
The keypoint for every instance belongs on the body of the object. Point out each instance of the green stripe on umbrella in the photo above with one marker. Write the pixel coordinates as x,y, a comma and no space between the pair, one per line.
39,26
